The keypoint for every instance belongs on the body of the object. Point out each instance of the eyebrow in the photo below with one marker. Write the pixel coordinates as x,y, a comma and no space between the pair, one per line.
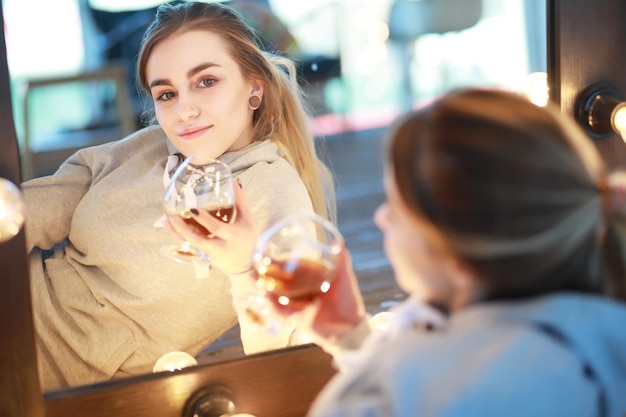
198,68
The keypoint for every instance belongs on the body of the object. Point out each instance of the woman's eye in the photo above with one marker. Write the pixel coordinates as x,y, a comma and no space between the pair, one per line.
164,96
206,82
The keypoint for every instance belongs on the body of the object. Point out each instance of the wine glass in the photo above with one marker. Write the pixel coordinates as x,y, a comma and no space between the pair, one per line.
295,260
208,187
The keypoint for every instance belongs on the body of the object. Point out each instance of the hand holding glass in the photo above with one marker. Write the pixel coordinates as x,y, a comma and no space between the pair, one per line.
207,187
296,259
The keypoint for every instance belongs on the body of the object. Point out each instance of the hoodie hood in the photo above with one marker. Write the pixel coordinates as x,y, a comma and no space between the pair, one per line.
591,326
262,151
242,159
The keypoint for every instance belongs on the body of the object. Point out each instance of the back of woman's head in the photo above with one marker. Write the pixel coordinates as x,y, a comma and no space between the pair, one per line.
281,116
514,189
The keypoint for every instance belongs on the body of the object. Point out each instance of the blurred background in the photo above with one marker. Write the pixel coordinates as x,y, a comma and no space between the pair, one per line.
361,62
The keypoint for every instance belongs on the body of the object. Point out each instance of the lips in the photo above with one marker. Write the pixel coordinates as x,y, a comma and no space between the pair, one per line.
192,133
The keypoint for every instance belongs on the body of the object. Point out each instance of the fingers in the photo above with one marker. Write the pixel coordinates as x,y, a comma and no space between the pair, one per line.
177,227
231,245
214,226
243,220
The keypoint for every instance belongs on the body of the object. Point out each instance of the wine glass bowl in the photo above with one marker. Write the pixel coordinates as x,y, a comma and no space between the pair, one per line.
295,260
208,187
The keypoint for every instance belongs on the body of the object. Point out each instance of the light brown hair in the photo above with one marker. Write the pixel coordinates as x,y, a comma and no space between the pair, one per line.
513,189
281,117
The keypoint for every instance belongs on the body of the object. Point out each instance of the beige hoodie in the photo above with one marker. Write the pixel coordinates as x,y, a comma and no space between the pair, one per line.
107,302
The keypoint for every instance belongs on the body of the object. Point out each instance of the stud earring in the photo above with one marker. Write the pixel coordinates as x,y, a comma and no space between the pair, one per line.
255,102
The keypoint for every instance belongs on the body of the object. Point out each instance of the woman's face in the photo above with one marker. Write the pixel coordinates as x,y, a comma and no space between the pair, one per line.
421,267
200,95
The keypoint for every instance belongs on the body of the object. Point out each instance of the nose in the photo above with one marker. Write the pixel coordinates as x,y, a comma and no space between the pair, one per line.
187,108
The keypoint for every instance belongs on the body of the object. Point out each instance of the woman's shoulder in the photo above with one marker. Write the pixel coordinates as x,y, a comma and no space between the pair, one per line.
144,138
273,187
264,166
147,137
257,153
491,371
147,144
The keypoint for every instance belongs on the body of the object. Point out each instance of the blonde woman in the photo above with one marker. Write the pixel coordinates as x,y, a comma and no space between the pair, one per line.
107,302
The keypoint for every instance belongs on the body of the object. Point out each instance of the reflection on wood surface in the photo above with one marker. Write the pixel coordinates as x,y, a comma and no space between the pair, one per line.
281,383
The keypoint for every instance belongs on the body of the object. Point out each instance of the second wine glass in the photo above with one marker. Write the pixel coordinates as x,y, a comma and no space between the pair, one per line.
208,187
296,259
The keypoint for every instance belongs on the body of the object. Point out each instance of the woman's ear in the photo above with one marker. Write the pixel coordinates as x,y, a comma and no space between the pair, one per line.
256,96
257,89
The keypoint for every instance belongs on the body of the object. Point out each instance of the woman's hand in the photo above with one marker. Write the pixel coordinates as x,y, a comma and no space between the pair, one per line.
334,314
231,245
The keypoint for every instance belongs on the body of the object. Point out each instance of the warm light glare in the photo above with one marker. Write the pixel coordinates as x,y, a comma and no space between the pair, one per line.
381,320
537,89
369,62
381,31
373,33
11,210
619,120
174,361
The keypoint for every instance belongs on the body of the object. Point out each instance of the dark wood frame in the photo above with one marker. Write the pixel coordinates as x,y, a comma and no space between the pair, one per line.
20,394
281,383
585,48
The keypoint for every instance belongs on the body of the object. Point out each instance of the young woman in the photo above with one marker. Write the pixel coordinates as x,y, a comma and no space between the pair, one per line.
107,302
506,232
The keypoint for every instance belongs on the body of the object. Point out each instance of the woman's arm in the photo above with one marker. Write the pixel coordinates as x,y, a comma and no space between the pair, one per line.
231,249
336,321
50,203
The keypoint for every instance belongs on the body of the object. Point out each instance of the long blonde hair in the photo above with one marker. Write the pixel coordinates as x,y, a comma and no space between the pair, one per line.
282,116
514,190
